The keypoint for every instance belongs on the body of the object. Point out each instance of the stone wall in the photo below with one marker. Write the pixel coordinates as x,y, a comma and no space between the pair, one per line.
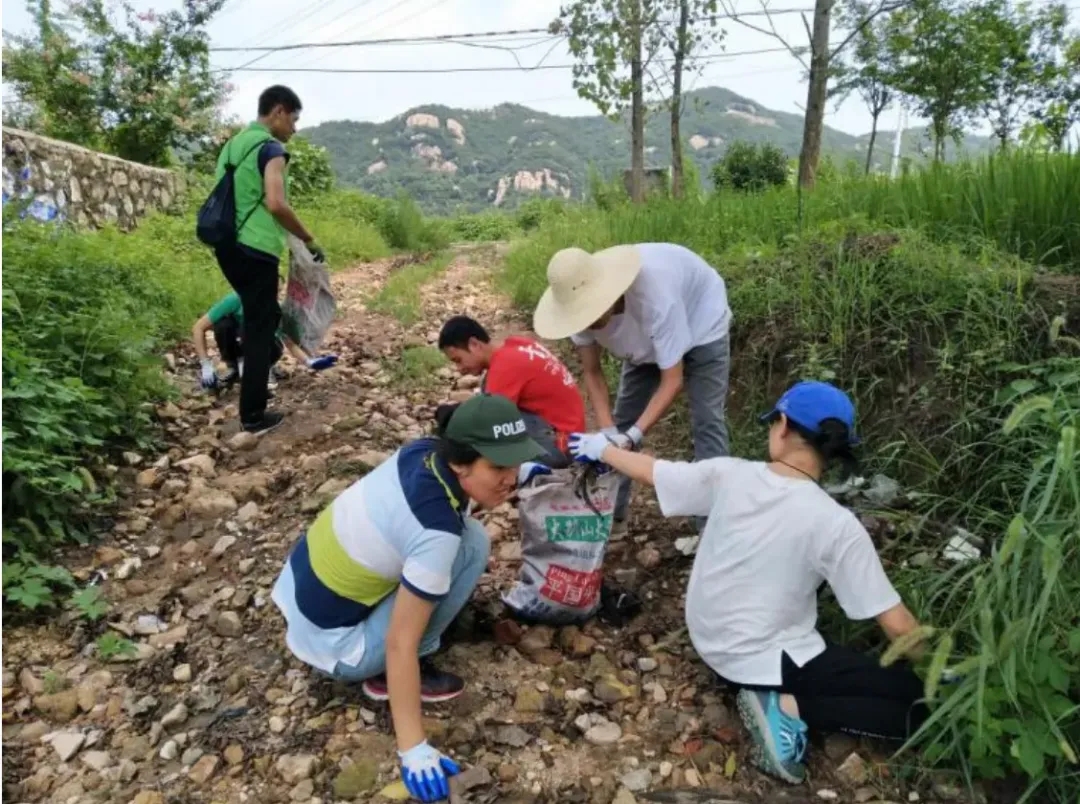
61,181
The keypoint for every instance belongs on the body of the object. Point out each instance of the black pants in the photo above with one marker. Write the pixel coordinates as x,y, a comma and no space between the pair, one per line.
255,280
229,336
842,689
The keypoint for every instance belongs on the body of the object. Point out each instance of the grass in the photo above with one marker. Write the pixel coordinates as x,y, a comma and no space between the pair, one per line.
416,366
400,295
929,300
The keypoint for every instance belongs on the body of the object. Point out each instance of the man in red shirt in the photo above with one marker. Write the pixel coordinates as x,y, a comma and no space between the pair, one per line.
525,372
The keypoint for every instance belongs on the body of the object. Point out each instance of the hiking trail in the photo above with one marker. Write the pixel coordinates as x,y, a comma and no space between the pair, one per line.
213,708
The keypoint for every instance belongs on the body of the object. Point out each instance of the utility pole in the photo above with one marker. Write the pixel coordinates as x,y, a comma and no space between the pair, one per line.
637,106
894,169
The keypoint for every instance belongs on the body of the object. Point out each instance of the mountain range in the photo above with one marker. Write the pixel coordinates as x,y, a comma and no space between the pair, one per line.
451,159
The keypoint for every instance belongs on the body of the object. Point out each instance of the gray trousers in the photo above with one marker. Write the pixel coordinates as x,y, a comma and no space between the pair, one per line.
544,434
705,381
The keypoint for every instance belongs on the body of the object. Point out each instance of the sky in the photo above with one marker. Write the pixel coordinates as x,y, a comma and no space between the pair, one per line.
773,80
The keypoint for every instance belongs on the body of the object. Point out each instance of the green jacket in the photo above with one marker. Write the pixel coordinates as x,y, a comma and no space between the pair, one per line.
260,231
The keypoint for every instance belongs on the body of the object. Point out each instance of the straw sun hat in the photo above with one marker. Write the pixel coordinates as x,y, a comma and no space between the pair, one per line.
582,287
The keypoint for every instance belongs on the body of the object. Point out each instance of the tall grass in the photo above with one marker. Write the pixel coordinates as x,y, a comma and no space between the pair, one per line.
1027,203
1011,635
919,296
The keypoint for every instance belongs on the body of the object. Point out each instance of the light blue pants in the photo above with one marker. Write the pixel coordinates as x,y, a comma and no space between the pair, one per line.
705,381
469,565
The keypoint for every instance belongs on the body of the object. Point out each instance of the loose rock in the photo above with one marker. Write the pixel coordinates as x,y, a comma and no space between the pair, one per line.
67,744
227,624
203,769
295,768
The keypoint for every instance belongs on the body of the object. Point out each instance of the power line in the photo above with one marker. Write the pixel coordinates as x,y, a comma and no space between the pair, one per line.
469,35
388,41
378,31
431,70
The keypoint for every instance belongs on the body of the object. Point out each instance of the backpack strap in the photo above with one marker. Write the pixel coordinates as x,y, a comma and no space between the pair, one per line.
262,194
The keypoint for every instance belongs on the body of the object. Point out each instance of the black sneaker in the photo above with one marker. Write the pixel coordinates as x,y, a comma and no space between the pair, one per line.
435,685
269,421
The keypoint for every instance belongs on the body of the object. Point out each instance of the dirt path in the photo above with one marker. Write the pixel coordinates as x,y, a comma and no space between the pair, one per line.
212,708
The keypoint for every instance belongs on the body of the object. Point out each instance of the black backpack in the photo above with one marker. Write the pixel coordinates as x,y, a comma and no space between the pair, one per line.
215,223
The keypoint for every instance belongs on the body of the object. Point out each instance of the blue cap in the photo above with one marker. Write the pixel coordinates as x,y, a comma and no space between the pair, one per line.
810,402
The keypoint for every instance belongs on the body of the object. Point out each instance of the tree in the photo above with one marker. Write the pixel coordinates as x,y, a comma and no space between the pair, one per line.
747,168
818,68
613,43
685,28
943,54
866,69
1059,101
1024,41
137,89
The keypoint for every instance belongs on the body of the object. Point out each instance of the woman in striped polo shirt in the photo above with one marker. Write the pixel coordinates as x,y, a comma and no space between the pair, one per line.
380,574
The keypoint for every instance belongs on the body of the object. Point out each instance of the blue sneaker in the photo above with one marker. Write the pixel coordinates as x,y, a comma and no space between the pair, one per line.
779,739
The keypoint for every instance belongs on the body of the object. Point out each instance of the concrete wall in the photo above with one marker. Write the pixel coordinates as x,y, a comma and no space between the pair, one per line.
61,181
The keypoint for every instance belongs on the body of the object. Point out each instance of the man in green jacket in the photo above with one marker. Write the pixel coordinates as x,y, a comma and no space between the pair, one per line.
263,216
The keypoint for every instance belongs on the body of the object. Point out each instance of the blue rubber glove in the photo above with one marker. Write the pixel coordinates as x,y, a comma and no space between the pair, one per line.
589,447
321,362
426,771
529,470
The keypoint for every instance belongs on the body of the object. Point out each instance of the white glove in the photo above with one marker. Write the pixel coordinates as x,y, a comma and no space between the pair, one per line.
529,470
591,446
425,772
209,375
630,440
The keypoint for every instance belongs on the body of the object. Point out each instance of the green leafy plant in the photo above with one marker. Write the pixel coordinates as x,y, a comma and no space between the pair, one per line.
309,169
138,89
31,585
746,167
111,645
90,603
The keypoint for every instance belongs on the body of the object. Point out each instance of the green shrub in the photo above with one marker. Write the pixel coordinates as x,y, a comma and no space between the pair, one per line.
536,211
83,318
747,167
345,223
404,227
482,227
310,173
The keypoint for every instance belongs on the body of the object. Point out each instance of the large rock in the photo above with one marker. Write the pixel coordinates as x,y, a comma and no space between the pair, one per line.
59,707
294,768
357,778
203,501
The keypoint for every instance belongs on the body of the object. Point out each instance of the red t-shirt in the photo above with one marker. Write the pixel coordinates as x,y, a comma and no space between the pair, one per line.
537,382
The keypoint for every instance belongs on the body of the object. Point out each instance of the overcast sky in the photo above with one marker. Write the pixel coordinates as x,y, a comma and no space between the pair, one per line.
774,80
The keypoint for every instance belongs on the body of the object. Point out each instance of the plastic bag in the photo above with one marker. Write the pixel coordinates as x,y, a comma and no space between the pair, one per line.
566,520
309,307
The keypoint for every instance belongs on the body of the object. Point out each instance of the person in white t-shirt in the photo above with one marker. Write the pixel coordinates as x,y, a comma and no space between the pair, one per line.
772,537
663,311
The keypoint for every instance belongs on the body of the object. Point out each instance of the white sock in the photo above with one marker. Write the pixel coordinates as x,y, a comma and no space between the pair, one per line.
240,366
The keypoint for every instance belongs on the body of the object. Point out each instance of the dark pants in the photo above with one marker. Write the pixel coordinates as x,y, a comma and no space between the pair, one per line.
255,281
844,690
229,336
705,379
545,435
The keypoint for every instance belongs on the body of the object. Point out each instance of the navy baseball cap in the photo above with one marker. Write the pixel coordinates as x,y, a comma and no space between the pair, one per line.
810,402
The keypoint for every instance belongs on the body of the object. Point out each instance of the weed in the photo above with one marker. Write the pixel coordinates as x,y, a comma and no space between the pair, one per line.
54,682
31,585
416,367
400,295
90,603
111,645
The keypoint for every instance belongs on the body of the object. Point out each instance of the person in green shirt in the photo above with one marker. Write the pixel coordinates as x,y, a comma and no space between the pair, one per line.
263,216
226,319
